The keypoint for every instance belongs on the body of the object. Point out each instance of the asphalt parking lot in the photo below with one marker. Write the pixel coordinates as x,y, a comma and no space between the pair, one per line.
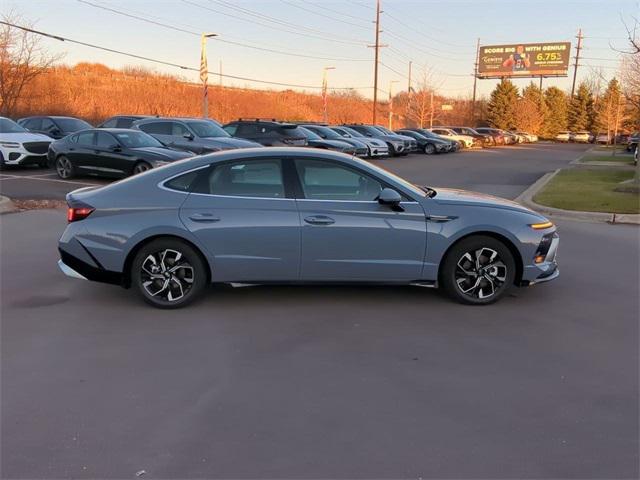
324,382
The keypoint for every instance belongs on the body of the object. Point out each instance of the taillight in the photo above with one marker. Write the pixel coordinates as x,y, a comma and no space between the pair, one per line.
75,214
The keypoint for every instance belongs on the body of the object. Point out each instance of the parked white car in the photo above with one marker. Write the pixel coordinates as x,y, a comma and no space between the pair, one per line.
563,136
464,140
18,146
603,138
635,155
580,137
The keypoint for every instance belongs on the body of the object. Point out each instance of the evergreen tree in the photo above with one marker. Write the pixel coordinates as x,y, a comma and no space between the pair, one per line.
501,110
579,108
610,108
556,118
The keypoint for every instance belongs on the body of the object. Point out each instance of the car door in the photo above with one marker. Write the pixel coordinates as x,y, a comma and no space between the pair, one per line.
347,235
110,157
81,151
246,219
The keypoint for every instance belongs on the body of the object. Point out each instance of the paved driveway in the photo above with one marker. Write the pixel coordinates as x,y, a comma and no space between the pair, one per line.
309,382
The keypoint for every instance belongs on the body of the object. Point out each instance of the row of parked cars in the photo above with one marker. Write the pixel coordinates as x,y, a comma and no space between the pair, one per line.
129,144
604,138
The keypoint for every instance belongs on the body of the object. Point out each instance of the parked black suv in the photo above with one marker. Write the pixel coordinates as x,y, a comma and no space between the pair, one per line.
54,127
270,133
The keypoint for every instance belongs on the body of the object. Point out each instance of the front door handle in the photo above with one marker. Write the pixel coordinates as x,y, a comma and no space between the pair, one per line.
319,220
204,218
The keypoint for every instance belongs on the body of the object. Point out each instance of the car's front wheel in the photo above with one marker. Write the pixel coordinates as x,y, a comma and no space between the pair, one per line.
429,149
141,167
478,270
168,273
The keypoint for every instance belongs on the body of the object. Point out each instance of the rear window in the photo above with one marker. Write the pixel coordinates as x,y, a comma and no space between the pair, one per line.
159,128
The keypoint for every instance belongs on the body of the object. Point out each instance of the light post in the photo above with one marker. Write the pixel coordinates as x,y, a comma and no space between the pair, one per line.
391,104
204,72
325,115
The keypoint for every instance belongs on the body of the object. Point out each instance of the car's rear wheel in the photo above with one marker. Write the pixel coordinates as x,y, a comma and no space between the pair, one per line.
478,270
64,167
141,167
168,273
429,149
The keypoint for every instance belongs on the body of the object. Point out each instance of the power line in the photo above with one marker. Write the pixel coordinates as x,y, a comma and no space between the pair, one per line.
324,35
336,11
166,63
231,42
315,12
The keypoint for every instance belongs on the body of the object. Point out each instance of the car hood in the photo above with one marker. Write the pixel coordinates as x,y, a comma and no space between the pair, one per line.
329,143
374,142
22,137
395,138
451,196
228,142
160,153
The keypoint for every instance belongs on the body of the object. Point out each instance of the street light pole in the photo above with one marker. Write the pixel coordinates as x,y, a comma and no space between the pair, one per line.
204,72
391,104
325,115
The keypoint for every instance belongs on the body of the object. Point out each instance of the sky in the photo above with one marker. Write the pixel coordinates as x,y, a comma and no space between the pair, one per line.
279,36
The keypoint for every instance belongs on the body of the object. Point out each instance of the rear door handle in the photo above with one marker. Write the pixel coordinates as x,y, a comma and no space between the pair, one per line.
204,218
319,220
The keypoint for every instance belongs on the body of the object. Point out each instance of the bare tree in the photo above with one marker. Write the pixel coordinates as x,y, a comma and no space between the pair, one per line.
22,60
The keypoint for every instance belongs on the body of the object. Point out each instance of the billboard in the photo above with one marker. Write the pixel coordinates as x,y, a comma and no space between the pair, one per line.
524,60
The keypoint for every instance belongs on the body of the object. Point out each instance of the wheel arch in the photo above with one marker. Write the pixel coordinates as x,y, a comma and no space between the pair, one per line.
517,257
126,268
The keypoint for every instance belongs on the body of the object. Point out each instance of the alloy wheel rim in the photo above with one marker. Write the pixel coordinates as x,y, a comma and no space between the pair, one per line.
429,148
64,167
480,273
167,275
141,168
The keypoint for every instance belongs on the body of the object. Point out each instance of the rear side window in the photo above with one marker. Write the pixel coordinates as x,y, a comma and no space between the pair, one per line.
124,122
183,182
254,178
111,123
247,130
33,124
159,128
85,138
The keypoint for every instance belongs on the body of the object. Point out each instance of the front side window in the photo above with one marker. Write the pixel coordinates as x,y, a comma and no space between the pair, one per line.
249,178
329,181
33,124
178,130
105,140
206,129
111,123
71,124
231,129
246,130
124,122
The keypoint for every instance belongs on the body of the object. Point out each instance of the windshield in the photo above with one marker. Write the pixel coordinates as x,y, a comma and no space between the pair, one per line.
72,124
326,131
134,139
385,130
371,130
309,134
9,126
352,132
206,129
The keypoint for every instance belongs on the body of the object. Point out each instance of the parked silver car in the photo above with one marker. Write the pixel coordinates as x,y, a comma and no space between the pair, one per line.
252,216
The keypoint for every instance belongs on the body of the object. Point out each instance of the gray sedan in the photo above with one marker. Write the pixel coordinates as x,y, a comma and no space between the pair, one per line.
284,215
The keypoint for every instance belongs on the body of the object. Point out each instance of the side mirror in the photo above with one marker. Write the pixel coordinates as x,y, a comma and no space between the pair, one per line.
188,136
55,131
115,148
390,198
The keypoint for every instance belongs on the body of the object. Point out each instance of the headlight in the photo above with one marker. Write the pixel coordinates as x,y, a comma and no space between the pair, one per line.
10,144
160,163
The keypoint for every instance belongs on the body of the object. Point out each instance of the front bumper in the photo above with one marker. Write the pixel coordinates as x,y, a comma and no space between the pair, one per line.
20,156
546,270
378,151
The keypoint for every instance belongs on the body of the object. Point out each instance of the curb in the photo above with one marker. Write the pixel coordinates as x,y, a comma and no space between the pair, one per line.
6,205
526,198
578,162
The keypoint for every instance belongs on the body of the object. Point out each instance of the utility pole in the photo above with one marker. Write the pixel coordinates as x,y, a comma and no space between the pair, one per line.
409,77
408,106
204,72
575,66
220,72
475,81
325,115
391,103
375,66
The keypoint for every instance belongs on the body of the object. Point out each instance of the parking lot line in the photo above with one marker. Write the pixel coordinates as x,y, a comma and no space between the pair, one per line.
38,178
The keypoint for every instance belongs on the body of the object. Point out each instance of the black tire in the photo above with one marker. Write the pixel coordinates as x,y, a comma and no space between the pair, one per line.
392,151
140,167
465,283
167,286
429,149
64,167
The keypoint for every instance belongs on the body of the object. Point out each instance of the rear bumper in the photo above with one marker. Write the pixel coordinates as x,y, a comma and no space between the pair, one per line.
74,267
